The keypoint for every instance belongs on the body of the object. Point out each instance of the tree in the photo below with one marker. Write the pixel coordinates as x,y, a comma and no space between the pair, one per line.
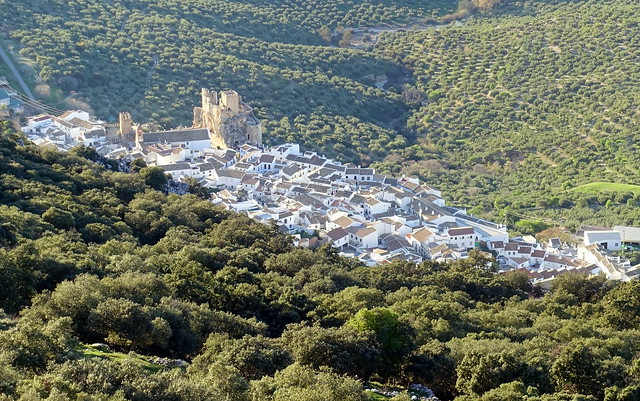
325,34
343,350
347,37
485,5
154,177
138,164
585,289
531,226
576,370
59,218
32,344
196,188
227,382
98,232
87,152
125,324
304,384
621,306
252,357
393,337
433,366
478,373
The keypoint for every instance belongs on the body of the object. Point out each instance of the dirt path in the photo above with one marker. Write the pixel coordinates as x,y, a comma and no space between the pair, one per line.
373,32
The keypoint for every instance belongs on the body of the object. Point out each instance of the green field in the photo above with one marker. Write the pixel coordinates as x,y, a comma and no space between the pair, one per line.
599,187
87,351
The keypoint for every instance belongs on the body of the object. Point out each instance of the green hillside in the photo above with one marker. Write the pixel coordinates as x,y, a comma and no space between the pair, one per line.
599,187
522,105
90,255
505,110
152,58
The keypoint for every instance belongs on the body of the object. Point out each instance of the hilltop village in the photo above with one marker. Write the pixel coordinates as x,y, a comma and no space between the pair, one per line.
365,215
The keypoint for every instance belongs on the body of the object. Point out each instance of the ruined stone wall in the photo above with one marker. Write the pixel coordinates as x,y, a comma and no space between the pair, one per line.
230,121
240,129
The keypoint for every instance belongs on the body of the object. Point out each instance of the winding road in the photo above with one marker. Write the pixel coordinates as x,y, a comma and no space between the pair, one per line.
15,72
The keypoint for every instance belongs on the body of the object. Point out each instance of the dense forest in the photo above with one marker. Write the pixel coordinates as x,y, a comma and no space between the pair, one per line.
105,273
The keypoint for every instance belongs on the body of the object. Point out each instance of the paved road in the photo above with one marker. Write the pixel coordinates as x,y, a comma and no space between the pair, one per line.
15,72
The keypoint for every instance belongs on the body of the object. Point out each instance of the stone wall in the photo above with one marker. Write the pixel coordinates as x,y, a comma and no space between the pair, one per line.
230,121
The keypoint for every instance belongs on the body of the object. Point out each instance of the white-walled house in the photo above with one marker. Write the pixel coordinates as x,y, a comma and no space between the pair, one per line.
611,240
373,206
339,237
341,220
365,238
360,174
178,169
462,237
420,240
194,139
537,257
517,262
229,179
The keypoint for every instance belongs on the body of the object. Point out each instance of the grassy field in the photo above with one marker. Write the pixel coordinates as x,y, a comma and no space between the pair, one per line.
87,351
598,187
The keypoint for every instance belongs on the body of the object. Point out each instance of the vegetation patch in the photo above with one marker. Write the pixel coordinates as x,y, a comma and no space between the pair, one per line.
598,187
99,351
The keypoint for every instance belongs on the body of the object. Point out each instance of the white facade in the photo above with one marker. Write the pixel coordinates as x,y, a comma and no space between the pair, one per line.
611,240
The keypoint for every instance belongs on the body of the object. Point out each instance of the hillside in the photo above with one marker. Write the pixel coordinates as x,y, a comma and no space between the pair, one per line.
521,106
152,58
89,255
507,111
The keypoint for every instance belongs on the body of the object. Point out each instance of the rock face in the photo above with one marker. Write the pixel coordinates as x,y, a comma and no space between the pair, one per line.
230,121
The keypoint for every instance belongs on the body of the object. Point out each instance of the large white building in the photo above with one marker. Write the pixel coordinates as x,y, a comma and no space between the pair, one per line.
611,240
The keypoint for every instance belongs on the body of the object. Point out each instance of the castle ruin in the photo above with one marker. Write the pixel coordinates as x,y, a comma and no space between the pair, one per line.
230,120
126,124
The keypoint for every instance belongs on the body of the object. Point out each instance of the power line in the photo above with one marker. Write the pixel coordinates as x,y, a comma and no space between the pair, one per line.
40,106
36,104
31,102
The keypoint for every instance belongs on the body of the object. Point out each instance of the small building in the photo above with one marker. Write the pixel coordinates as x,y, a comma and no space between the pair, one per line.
462,237
229,179
420,240
9,102
339,237
366,237
178,169
611,240
630,235
196,140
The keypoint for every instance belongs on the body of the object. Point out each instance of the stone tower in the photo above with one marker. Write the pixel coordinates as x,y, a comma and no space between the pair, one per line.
230,121
230,102
126,125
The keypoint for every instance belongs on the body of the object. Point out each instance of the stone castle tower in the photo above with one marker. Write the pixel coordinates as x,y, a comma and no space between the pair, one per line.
126,124
230,120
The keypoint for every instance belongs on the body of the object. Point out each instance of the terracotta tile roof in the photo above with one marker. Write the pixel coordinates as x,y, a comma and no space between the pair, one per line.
422,234
454,232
